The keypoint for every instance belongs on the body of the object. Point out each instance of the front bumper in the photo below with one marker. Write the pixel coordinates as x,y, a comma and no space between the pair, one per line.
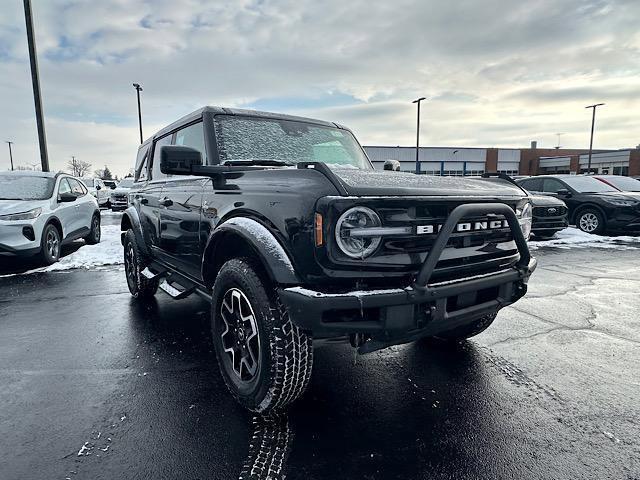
20,238
548,225
422,309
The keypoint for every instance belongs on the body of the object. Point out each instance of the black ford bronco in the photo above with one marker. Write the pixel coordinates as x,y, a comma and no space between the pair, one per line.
284,225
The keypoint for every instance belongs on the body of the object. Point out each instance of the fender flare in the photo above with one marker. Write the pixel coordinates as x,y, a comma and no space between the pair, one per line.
262,241
131,220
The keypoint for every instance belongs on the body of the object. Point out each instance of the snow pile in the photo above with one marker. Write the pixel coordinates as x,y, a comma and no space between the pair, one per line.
574,238
107,252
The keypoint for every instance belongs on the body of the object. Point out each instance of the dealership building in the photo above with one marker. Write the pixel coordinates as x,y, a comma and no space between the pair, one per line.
512,161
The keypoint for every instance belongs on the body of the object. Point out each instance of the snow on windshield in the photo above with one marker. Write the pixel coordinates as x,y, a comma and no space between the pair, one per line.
25,187
126,183
242,138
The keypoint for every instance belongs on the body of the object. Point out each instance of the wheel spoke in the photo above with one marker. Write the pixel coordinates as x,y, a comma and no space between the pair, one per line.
239,336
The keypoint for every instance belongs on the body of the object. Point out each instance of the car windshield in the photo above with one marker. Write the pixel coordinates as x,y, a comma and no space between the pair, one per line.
126,183
25,187
88,182
587,185
626,184
250,139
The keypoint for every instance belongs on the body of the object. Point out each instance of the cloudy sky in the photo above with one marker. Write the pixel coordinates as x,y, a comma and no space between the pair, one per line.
497,73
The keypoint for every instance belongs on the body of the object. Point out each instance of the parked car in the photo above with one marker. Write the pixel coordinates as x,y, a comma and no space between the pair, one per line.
623,184
98,189
112,184
41,211
283,223
594,206
550,215
120,195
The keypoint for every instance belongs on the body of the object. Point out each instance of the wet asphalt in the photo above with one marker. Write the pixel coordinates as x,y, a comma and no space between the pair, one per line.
96,386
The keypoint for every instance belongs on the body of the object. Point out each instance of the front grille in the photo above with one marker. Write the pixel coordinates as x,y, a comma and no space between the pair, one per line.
549,211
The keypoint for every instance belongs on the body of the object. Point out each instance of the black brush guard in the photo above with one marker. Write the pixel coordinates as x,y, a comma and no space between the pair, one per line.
421,309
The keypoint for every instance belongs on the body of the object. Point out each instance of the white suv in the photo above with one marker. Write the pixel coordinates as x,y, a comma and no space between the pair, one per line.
98,189
41,211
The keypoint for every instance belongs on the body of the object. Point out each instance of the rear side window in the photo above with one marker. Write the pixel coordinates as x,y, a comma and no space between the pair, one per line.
141,164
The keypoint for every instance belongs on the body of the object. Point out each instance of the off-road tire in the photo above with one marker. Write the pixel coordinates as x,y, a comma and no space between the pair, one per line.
585,221
467,331
94,233
50,244
134,262
285,352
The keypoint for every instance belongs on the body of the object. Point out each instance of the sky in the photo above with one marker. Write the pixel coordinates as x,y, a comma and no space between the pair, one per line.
497,73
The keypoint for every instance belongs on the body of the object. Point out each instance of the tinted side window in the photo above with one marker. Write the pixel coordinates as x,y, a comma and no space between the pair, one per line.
155,161
141,164
192,136
552,185
76,187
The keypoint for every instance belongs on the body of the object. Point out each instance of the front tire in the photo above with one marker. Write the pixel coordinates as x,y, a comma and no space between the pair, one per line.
134,263
50,244
265,360
590,220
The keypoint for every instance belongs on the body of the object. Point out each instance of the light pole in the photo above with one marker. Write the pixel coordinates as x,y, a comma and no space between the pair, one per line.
593,123
418,100
10,154
138,90
558,147
35,80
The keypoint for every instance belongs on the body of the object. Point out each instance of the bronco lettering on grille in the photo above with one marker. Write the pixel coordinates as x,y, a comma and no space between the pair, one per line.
464,226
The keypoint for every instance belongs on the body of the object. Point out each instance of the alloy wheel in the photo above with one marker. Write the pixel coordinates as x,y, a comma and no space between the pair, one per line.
131,266
240,337
52,243
589,222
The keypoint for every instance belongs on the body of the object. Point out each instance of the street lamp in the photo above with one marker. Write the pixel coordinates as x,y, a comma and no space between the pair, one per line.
10,154
593,123
418,100
138,90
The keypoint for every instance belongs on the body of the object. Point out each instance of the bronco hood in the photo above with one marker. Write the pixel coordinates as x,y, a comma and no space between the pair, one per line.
387,183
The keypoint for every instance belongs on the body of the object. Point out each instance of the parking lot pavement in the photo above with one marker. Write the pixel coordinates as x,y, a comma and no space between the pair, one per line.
95,386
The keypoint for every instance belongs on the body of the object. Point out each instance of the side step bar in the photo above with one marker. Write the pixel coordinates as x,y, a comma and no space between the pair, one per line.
173,284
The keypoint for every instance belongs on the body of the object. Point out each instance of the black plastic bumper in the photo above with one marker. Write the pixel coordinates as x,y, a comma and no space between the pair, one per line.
421,309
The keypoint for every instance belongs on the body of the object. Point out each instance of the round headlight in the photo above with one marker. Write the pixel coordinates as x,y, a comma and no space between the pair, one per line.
358,245
525,219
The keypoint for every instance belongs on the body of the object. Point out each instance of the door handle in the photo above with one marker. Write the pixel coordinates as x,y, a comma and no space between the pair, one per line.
166,202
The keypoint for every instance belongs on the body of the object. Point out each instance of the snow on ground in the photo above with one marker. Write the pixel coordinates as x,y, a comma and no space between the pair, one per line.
574,238
107,252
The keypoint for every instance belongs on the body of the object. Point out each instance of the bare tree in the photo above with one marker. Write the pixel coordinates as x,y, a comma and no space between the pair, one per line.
78,168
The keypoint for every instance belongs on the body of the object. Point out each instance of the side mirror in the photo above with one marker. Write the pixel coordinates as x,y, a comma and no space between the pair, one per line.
179,160
98,187
66,197
564,193
392,165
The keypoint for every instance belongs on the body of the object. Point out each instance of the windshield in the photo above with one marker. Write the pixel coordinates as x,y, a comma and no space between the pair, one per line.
244,139
88,182
126,183
25,187
587,185
626,184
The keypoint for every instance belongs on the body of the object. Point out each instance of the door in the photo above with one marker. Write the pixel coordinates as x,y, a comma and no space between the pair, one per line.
180,211
84,203
66,212
551,186
147,197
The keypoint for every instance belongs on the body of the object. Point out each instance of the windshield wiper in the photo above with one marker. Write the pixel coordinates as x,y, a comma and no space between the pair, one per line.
257,161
